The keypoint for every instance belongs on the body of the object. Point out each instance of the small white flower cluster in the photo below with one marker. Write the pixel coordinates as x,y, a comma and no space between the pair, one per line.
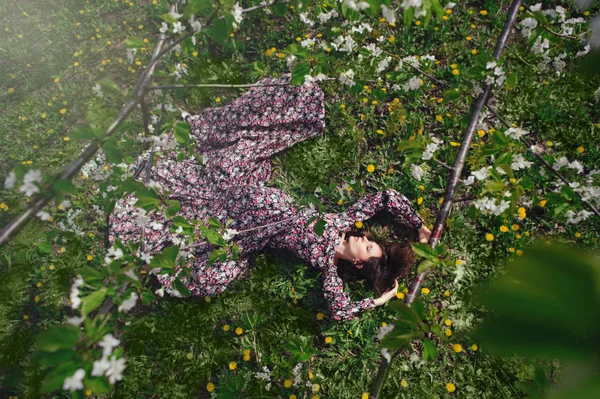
130,54
488,206
515,133
237,14
417,172
115,253
374,49
304,18
413,84
344,43
74,297
308,42
384,330
229,234
128,303
71,225
573,217
297,374
431,148
94,168
179,69
389,14
98,91
417,4
383,64
361,28
74,382
326,16
361,5
108,365
519,162
498,76
540,46
264,375
527,25
347,78
29,187
563,161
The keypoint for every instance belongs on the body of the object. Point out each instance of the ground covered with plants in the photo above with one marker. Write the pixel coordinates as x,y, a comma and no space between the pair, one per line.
399,80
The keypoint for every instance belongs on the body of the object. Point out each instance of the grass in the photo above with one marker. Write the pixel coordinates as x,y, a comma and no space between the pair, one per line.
175,347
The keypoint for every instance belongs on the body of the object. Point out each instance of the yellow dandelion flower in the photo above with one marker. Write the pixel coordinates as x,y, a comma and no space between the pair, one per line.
226,327
483,12
400,295
515,227
511,250
218,99
580,149
328,340
210,387
425,291
287,383
469,38
403,383
522,213
36,298
439,118
458,262
504,229
371,168
446,293
418,23
473,51
489,237
66,138
450,387
481,132
448,333
419,200
25,317
519,252
239,331
320,316
90,257
365,395
448,322
457,348
10,90
455,72
454,144
359,224
232,365
474,347
63,111
578,235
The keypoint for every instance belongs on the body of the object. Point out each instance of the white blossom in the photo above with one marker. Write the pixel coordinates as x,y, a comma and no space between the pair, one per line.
74,297
324,17
540,46
129,303
236,13
388,14
31,177
357,6
482,173
98,90
384,330
469,180
160,292
178,27
74,382
229,234
527,25
411,3
488,206
146,257
304,18
10,180
195,25
413,84
383,64
307,42
519,162
386,354
417,172
490,65
43,215
115,371
515,133
175,15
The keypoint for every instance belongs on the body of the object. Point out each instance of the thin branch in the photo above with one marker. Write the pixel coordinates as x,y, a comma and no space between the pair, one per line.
452,182
419,70
443,164
562,34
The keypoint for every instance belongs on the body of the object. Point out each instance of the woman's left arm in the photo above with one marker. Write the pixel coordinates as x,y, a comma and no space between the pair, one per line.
389,200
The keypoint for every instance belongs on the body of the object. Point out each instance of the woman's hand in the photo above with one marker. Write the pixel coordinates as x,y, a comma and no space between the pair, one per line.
424,234
386,296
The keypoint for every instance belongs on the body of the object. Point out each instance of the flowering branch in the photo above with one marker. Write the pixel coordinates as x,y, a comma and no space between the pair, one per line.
452,183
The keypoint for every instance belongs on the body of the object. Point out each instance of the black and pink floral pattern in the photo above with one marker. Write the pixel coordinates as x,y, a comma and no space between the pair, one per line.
237,141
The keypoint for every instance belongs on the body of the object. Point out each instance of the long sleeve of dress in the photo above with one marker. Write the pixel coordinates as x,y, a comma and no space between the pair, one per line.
389,200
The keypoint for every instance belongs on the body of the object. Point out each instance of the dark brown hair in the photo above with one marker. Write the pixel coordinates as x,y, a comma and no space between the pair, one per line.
379,273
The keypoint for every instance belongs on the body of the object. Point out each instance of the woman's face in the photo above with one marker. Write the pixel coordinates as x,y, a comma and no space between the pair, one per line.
361,249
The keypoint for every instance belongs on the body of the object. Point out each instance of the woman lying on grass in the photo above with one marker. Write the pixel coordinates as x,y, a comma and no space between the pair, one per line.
236,143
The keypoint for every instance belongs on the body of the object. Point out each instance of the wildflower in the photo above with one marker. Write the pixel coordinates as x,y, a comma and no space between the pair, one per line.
129,303
458,262
328,340
515,227
489,237
75,381
400,295
359,224
210,387
448,333
483,12
503,229
320,316
450,386
511,250
403,383
11,90
365,395
446,293
371,168
519,252
522,213
419,200
115,371
63,111
578,235
455,72
457,348
474,347
232,365
239,331
417,172
226,327
580,149
287,383
425,291
448,322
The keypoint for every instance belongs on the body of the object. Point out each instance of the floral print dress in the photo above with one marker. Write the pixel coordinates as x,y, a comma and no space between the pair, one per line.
236,142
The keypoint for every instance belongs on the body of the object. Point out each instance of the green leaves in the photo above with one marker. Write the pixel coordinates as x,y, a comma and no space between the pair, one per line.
451,95
165,259
113,153
182,133
92,301
134,42
63,337
300,71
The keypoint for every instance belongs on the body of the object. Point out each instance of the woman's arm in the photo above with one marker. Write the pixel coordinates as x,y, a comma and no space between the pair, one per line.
389,200
342,308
